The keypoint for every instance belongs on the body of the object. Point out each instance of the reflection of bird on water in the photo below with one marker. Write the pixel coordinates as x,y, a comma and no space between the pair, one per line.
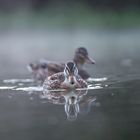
74,102
71,107
68,79
42,69
70,100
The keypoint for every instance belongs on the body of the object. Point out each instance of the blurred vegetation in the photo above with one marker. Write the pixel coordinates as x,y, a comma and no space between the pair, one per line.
52,13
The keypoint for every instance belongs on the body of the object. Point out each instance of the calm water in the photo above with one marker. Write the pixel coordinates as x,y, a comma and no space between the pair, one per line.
109,110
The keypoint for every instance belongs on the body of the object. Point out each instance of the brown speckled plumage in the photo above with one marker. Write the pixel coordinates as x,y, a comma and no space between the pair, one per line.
57,80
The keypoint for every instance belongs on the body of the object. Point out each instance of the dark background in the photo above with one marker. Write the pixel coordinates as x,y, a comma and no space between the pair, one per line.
115,5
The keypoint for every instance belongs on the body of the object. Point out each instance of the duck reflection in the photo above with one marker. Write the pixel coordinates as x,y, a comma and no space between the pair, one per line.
74,101
71,107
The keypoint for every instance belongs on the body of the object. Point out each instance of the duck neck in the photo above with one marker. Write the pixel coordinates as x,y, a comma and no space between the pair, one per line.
79,62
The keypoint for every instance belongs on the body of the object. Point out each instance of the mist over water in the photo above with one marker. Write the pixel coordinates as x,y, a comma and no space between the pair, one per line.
110,48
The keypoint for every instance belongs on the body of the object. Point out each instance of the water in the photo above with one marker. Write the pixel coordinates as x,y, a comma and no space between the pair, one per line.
110,108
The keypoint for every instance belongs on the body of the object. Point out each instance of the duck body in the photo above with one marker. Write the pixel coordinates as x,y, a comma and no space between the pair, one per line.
57,81
42,69
68,79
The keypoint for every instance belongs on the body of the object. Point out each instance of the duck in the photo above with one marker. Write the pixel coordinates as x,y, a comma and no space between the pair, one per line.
44,68
69,79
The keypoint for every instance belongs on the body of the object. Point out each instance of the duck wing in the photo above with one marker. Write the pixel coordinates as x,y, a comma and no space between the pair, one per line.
54,81
55,68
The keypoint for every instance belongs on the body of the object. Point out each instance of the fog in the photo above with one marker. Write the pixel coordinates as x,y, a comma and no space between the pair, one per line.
19,47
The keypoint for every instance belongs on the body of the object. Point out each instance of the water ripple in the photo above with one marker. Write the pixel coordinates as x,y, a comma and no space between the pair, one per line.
20,85
14,81
7,87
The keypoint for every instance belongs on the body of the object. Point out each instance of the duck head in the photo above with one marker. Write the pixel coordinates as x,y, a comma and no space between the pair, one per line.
70,72
81,56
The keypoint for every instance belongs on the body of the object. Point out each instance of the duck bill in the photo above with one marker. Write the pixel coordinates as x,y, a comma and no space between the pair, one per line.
72,80
90,60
